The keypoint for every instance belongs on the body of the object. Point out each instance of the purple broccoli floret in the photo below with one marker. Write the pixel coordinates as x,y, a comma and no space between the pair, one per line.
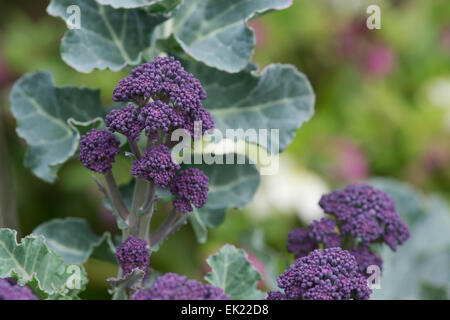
98,149
300,243
160,116
172,286
161,79
133,254
156,164
365,257
9,290
191,186
275,295
324,231
330,273
125,121
366,213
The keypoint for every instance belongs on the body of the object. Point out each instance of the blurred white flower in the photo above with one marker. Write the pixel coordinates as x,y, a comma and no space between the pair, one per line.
438,92
291,191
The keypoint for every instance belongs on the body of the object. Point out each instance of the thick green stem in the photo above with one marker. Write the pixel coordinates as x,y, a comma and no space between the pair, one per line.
163,228
139,198
116,197
134,147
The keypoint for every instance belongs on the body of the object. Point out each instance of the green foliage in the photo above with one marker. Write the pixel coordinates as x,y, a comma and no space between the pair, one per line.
279,98
46,115
230,186
32,263
74,241
107,38
215,31
419,268
234,274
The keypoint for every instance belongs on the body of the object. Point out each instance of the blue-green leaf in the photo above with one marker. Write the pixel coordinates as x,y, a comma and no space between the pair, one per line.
107,37
48,119
32,263
280,98
74,241
215,31
234,274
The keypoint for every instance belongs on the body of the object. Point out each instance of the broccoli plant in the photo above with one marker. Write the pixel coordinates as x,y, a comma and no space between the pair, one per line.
189,76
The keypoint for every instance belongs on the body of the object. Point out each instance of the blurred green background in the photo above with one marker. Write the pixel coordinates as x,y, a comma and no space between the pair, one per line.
383,109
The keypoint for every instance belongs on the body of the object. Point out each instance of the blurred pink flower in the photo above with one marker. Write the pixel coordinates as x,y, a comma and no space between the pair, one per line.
445,38
258,265
260,31
379,60
351,163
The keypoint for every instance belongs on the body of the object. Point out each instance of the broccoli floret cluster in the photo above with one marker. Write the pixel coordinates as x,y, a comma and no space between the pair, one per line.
156,165
360,216
98,149
125,121
324,231
367,214
9,290
157,116
133,254
300,243
172,286
191,187
162,79
328,274
365,258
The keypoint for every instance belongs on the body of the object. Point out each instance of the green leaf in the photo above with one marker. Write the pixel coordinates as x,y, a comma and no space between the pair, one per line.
280,98
215,31
32,263
46,116
421,263
154,5
74,241
234,274
107,38
230,186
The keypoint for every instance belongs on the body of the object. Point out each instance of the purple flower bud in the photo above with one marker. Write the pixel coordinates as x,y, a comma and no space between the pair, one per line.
300,243
156,164
98,149
366,213
133,254
191,185
9,290
125,121
172,286
324,231
161,79
323,275
365,258
160,116
275,295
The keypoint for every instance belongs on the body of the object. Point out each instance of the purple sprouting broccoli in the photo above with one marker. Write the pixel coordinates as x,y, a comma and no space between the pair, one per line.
191,187
328,274
9,290
133,254
300,243
365,257
157,116
125,121
275,295
156,164
198,122
162,79
98,149
367,214
324,231
172,286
